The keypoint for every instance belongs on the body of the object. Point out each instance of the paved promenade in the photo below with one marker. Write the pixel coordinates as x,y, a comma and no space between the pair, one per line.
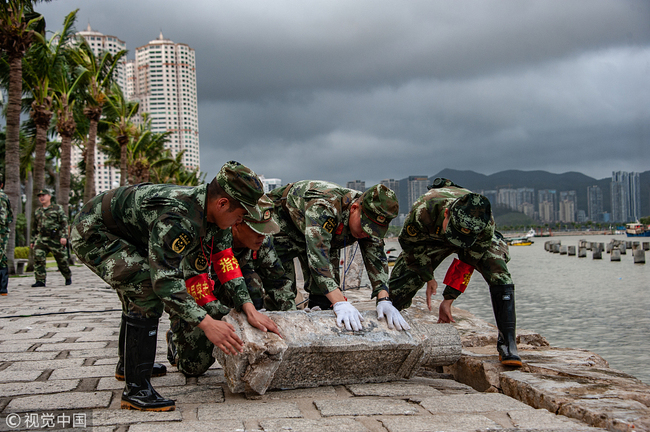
58,349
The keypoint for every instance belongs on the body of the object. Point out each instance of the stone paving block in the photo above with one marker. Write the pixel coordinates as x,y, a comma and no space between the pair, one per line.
472,403
448,384
442,422
108,417
83,372
27,356
365,407
69,400
52,340
212,376
20,336
312,343
320,425
169,380
37,387
73,346
8,376
392,389
250,410
15,347
194,426
92,353
309,393
542,419
45,364
193,394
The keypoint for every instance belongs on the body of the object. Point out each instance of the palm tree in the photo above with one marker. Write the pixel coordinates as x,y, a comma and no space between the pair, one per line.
176,173
18,24
98,75
47,62
118,113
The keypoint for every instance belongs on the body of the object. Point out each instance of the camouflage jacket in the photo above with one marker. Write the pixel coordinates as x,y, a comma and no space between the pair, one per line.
423,241
51,223
6,214
315,216
169,223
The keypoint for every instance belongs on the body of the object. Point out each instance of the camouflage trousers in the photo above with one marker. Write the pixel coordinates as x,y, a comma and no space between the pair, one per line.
404,283
4,238
41,249
193,348
119,263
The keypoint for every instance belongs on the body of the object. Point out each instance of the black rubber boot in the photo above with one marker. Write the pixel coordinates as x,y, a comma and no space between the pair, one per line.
38,284
503,304
4,280
319,300
158,369
139,353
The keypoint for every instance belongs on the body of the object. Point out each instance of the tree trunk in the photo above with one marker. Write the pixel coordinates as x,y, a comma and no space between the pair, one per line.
64,175
93,114
41,116
12,152
123,140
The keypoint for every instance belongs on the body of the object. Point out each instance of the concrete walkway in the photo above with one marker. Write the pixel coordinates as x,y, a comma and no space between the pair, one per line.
58,349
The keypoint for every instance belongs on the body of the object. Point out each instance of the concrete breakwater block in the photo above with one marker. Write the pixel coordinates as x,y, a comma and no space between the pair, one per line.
639,256
616,255
572,250
315,352
582,252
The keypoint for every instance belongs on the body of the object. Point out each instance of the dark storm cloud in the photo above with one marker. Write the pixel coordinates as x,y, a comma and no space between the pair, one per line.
372,90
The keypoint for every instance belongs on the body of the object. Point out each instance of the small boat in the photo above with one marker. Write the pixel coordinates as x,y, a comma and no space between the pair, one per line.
637,229
521,242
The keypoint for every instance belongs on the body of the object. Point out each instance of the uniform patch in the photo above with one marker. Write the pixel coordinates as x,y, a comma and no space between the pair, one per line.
339,230
465,230
200,263
329,225
410,230
381,219
179,244
267,215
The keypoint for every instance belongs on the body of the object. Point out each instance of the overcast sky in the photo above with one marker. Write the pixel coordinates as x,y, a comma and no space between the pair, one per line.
356,89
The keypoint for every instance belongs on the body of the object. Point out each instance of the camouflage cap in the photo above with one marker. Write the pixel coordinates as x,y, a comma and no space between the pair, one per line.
379,206
266,224
241,183
44,192
468,217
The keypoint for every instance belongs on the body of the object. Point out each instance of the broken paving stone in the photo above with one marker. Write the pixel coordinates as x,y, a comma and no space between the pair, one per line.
314,351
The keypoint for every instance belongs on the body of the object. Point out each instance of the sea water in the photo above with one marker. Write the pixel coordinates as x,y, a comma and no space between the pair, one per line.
598,305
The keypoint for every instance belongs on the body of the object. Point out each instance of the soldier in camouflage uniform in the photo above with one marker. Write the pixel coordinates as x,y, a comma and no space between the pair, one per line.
187,347
137,238
6,217
51,236
317,220
450,219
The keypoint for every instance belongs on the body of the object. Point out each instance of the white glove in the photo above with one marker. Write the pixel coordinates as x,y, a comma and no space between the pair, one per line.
393,317
348,314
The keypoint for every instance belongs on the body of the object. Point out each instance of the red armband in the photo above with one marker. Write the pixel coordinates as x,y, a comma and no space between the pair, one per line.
458,275
200,287
226,266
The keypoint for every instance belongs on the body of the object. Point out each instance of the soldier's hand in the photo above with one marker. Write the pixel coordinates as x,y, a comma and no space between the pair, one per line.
394,319
222,335
259,320
348,315
432,289
444,312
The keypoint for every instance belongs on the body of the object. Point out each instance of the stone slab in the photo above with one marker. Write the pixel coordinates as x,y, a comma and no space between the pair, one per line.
542,419
72,346
364,407
472,403
9,376
119,416
45,364
308,393
37,387
320,425
194,426
83,372
27,356
69,400
250,410
312,343
445,422
392,389
194,394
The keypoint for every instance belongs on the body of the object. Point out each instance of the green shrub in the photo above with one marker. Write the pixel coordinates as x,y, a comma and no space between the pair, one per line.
21,252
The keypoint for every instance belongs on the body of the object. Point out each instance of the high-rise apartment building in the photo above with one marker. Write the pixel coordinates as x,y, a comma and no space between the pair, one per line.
106,177
410,189
547,204
164,82
626,196
595,204
507,198
359,185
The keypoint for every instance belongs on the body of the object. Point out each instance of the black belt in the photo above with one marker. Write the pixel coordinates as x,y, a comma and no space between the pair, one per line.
107,214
